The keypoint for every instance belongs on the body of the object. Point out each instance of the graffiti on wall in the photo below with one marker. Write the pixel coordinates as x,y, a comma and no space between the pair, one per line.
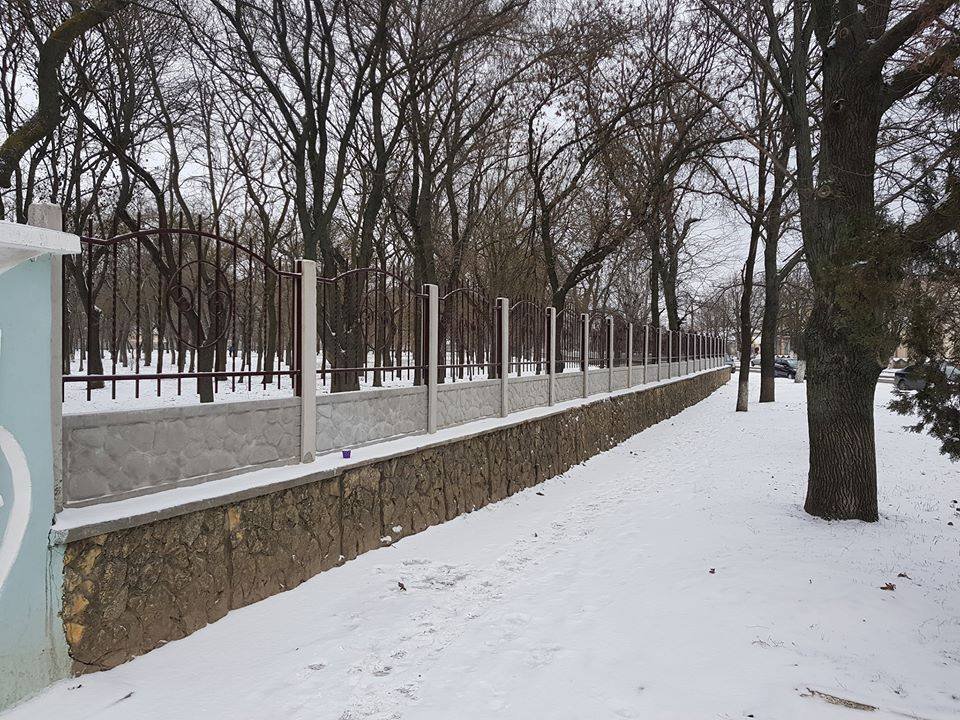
18,512
19,506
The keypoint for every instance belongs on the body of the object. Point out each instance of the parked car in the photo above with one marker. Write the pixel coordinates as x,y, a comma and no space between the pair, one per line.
733,362
913,377
783,368
755,360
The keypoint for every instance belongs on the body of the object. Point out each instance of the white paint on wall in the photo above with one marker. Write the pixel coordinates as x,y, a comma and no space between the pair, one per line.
19,513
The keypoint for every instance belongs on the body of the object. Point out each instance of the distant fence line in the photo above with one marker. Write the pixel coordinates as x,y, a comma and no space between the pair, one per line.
145,311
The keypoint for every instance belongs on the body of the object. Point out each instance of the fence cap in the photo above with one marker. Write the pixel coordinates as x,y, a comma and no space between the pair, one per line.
19,243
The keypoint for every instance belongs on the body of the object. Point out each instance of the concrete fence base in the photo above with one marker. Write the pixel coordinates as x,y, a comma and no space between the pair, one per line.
129,591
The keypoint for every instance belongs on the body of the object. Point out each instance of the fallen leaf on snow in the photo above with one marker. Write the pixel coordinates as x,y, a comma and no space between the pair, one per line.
904,575
888,586
713,571
401,585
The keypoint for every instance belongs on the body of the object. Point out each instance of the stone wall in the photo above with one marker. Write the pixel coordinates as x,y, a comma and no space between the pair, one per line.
129,591
110,456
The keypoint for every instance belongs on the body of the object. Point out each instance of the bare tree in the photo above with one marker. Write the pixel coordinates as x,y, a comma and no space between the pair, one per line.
868,60
51,54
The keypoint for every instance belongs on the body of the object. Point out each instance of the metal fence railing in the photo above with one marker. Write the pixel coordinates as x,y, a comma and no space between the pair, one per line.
149,311
185,311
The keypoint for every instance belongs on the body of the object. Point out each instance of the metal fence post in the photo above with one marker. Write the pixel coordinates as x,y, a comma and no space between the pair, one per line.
433,352
609,353
503,308
669,353
585,351
630,355
646,351
659,351
308,360
551,352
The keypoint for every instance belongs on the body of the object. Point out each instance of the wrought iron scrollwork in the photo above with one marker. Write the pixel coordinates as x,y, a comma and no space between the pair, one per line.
199,304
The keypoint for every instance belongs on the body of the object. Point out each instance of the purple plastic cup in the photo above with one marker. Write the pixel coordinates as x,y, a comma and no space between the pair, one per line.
346,454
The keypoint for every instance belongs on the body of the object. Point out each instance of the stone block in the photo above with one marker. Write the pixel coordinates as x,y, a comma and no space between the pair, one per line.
279,540
412,493
466,476
360,511
130,591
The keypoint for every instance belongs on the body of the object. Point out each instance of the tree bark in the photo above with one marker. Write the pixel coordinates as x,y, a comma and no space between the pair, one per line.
856,270
842,483
746,324
269,349
768,332
94,358
205,361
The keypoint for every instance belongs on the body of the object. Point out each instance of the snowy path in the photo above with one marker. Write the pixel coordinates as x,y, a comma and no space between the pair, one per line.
595,600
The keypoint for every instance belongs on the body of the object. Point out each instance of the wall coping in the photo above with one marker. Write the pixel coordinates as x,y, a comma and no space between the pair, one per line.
374,394
461,384
80,420
73,524
174,412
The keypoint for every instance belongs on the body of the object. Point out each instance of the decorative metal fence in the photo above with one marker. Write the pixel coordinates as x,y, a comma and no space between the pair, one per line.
370,330
621,338
598,351
177,311
468,336
528,338
570,338
149,310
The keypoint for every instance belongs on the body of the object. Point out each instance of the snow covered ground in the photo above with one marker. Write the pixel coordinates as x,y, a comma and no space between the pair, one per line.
675,576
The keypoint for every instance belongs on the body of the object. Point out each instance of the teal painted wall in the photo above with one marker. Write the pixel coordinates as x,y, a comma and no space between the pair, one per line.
32,648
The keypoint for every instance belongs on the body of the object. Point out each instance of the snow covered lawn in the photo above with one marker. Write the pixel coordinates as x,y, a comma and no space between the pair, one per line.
675,576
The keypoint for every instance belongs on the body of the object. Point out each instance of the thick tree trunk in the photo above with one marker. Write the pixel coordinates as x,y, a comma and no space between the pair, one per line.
94,358
746,326
350,346
771,316
655,289
852,255
269,349
205,361
66,344
842,481
768,337
147,339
